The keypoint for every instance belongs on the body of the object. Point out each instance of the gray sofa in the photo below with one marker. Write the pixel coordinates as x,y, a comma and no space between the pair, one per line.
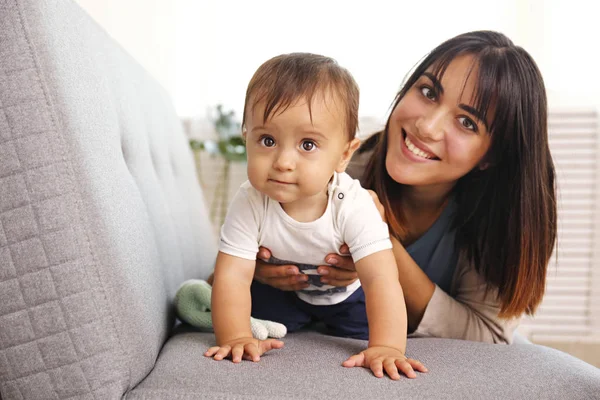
101,219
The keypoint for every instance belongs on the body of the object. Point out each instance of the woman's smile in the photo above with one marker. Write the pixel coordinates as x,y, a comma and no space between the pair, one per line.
417,149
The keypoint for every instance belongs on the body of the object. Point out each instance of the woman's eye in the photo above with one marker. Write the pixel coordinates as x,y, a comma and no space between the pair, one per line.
267,141
428,92
308,145
468,124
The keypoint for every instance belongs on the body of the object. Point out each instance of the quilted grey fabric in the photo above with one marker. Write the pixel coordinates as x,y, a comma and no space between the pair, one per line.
101,216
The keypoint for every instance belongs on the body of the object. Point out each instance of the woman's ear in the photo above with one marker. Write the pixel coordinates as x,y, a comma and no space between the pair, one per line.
352,146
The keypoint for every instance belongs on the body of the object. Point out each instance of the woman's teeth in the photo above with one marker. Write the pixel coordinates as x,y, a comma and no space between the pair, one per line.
416,151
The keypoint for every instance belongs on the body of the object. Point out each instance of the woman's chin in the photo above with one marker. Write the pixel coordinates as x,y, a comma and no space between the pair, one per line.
400,173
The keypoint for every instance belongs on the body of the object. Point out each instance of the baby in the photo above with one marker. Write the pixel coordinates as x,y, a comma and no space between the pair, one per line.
299,124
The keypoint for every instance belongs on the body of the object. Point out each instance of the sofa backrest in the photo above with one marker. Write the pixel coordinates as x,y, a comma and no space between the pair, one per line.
101,214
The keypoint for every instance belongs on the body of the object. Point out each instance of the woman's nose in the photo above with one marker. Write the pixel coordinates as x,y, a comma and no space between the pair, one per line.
432,125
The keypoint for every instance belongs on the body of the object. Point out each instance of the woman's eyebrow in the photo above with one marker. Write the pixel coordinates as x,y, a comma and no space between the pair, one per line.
436,83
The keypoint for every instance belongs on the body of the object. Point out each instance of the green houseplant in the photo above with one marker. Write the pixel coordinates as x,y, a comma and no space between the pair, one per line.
229,145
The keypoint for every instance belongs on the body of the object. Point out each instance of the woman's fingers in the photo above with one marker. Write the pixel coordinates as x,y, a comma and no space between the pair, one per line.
341,262
341,272
336,277
268,271
345,249
283,277
263,253
336,274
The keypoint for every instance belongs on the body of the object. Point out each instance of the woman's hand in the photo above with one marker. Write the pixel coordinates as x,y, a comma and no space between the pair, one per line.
341,272
288,277
282,277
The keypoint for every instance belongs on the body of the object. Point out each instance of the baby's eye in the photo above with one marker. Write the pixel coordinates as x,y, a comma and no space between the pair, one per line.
467,123
267,141
308,145
428,92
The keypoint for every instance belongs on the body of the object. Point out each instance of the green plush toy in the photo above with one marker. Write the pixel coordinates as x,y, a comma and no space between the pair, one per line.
192,304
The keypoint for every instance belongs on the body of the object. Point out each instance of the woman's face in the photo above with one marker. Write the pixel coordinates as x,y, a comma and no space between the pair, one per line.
435,136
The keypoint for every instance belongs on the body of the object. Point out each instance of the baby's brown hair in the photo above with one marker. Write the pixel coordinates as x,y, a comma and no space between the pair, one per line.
286,78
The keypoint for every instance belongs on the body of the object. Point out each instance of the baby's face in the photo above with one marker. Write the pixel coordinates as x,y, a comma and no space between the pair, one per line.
292,158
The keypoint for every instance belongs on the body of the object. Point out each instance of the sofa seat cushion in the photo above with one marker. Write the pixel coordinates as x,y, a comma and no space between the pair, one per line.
309,366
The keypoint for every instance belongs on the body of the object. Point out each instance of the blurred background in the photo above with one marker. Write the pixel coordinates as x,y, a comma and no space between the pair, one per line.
205,51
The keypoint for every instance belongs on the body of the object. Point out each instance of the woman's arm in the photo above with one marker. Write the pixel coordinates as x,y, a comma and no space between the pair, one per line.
421,287
472,314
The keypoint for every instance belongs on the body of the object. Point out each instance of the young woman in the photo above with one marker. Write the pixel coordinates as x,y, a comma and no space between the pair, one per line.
465,179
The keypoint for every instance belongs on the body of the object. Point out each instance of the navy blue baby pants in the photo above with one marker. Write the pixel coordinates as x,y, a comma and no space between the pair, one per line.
346,319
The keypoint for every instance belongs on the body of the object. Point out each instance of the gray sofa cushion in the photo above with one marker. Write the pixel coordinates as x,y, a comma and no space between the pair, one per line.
101,216
309,367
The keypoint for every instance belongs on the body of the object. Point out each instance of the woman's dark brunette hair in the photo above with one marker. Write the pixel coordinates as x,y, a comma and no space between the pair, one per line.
506,219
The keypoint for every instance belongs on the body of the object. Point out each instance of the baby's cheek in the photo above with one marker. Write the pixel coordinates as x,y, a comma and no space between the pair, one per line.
319,175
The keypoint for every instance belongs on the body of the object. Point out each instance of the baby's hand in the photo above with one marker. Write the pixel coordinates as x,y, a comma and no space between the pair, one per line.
246,348
378,358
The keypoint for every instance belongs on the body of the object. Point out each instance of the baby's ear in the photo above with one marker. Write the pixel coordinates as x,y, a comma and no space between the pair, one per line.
352,146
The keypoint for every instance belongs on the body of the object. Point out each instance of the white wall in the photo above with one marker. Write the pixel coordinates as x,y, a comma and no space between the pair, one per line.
204,52
145,28
377,40
562,36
